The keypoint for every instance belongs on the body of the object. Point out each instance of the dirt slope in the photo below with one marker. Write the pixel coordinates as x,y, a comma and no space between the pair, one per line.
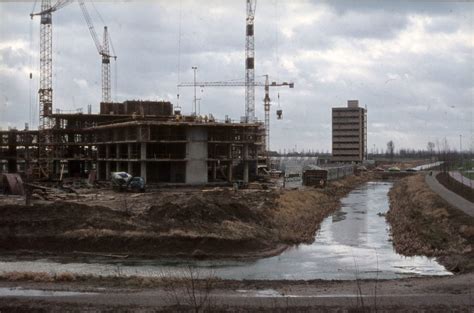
424,224
219,223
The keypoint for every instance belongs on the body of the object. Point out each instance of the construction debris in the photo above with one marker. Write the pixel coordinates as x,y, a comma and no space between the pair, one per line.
12,184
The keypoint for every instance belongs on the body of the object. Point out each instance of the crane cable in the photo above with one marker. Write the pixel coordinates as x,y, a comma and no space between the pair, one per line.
30,61
179,54
277,52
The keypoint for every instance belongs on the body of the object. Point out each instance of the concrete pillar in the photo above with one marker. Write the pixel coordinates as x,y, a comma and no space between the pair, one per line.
196,151
214,171
98,170
117,151
129,156
229,172
143,151
246,163
129,152
143,160
107,170
229,168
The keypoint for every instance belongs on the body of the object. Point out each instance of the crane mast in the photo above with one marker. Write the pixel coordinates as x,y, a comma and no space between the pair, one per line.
46,66
250,62
106,85
46,83
103,50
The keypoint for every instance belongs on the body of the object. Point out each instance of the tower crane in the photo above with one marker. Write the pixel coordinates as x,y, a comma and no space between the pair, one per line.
266,99
250,62
46,81
104,52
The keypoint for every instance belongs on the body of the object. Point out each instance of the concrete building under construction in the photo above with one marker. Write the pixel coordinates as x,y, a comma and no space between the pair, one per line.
349,133
144,138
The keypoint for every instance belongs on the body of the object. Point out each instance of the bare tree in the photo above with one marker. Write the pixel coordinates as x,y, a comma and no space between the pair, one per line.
192,289
390,149
430,147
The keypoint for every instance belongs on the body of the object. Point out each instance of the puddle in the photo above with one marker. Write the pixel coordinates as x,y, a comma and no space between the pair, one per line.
352,243
264,293
20,292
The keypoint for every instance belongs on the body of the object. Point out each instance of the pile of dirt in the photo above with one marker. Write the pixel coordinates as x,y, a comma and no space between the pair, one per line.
211,207
422,223
199,223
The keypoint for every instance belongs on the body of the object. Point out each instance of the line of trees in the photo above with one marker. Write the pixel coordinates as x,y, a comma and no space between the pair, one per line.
439,150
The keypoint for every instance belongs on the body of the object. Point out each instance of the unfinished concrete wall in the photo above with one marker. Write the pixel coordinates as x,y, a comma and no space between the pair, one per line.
196,151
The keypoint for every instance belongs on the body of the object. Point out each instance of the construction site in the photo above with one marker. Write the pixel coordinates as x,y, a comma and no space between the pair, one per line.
150,139
142,138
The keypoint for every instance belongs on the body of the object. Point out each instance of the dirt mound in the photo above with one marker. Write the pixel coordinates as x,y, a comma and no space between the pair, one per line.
424,224
217,223
60,217
212,207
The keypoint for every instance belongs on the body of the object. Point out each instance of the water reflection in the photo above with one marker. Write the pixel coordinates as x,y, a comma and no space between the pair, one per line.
352,243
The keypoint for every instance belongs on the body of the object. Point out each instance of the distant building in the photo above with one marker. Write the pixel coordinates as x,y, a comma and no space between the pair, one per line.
349,133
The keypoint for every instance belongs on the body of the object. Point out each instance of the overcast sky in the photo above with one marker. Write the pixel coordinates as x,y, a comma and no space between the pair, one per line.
410,63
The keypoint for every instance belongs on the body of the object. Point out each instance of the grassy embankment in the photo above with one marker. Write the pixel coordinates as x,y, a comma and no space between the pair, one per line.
424,224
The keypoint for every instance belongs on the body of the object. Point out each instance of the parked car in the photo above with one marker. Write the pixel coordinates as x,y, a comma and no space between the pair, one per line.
394,169
123,181
137,184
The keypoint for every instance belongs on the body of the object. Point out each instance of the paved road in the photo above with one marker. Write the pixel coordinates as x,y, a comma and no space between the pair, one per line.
430,292
451,197
463,180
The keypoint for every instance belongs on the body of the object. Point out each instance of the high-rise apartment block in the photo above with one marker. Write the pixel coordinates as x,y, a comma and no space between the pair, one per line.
349,133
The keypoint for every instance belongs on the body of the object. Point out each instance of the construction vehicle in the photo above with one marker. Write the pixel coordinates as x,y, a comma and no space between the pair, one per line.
123,181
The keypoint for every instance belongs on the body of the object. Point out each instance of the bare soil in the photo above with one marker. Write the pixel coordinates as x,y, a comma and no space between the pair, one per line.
422,223
217,223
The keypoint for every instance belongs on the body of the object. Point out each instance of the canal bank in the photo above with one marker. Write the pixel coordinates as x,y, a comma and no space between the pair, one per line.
425,224
358,226
352,243
215,223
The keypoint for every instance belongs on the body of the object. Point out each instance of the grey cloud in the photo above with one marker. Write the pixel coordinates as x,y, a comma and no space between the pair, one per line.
418,103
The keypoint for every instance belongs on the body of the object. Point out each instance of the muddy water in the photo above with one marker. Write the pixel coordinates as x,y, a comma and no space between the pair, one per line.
20,292
352,243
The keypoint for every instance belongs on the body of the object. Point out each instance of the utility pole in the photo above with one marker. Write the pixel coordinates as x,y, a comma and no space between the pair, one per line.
462,158
195,69
27,171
